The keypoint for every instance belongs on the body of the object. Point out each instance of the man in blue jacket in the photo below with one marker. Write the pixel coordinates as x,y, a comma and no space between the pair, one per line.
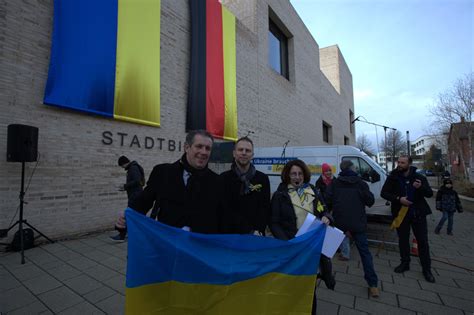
404,187
349,196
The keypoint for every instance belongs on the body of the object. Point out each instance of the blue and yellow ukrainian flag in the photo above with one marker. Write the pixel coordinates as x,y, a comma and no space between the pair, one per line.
105,58
171,271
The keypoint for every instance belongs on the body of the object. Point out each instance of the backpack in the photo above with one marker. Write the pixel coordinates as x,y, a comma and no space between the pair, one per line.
142,179
28,240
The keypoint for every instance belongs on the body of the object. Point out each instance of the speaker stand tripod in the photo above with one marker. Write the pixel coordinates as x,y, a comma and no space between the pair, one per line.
22,221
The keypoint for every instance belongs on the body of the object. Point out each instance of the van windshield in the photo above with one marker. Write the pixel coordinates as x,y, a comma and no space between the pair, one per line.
374,164
379,168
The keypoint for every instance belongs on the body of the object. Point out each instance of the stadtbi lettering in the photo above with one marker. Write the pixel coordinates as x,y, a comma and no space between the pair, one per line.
133,141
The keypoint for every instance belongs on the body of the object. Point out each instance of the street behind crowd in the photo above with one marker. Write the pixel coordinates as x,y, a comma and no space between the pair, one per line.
87,276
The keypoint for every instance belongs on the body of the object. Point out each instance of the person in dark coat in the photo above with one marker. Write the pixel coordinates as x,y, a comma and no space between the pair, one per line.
447,201
186,190
245,195
322,183
406,190
349,196
133,186
291,203
325,179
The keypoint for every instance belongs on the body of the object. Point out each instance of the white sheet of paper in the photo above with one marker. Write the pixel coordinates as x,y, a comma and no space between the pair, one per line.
332,239
307,225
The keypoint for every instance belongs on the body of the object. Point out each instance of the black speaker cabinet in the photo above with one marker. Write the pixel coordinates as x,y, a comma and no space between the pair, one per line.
22,143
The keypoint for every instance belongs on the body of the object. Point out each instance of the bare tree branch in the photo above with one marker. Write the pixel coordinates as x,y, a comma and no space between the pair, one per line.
364,144
455,103
394,145
456,106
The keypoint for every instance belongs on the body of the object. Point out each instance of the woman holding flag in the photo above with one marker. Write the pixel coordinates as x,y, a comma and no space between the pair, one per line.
291,203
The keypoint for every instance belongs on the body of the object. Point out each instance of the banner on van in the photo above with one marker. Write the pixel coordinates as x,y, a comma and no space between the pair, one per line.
276,164
272,160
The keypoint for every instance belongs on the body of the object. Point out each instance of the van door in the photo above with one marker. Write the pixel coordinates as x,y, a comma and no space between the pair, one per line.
374,179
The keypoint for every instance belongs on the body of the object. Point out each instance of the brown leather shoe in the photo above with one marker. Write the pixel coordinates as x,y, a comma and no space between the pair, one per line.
374,292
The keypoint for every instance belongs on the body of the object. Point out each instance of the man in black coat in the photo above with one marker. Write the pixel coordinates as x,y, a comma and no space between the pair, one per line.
185,191
404,187
133,186
245,193
349,195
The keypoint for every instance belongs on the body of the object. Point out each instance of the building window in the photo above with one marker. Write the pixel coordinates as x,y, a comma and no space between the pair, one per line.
277,50
327,132
351,119
346,140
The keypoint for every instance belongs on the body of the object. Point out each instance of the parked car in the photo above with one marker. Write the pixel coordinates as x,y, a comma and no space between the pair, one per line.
425,172
446,174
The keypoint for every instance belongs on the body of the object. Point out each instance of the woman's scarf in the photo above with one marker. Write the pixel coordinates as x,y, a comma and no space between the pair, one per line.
245,178
302,199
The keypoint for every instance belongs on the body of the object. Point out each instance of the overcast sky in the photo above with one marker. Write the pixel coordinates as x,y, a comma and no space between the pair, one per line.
401,54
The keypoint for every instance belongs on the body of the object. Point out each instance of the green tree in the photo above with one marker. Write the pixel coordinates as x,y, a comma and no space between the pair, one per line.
432,159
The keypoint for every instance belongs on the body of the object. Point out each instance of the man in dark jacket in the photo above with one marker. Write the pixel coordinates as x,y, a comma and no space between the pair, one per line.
133,186
185,191
404,187
245,197
349,196
135,177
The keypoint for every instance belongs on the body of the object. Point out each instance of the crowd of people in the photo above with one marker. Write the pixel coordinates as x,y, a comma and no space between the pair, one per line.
187,194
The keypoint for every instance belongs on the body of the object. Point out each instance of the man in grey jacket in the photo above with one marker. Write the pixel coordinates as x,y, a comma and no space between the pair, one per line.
349,196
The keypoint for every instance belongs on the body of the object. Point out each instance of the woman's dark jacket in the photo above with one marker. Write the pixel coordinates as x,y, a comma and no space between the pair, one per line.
349,195
392,191
321,187
283,219
193,205
243,214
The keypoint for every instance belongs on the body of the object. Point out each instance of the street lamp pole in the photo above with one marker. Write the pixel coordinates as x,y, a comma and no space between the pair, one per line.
385,131
408,143
385,148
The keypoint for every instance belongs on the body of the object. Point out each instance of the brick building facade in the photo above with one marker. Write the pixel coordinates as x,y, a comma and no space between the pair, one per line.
460,144
74,188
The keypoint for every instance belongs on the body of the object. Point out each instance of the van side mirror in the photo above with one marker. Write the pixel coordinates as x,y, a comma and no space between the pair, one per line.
374,176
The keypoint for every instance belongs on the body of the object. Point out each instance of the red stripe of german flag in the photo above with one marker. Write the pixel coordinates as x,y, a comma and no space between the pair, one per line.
212,100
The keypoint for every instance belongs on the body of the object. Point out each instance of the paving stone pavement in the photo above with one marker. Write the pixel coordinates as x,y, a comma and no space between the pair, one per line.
87,276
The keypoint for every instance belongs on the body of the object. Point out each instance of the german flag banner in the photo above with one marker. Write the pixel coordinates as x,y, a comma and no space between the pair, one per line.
212,98
172,271
105,59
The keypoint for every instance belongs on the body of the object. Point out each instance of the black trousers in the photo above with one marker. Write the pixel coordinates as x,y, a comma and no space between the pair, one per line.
420,230
325,271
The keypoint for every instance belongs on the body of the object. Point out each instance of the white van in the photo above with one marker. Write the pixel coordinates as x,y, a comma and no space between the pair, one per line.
271,160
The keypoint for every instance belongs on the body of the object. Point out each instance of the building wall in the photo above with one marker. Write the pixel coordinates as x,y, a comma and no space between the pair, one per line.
422,144
74,188
460,144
